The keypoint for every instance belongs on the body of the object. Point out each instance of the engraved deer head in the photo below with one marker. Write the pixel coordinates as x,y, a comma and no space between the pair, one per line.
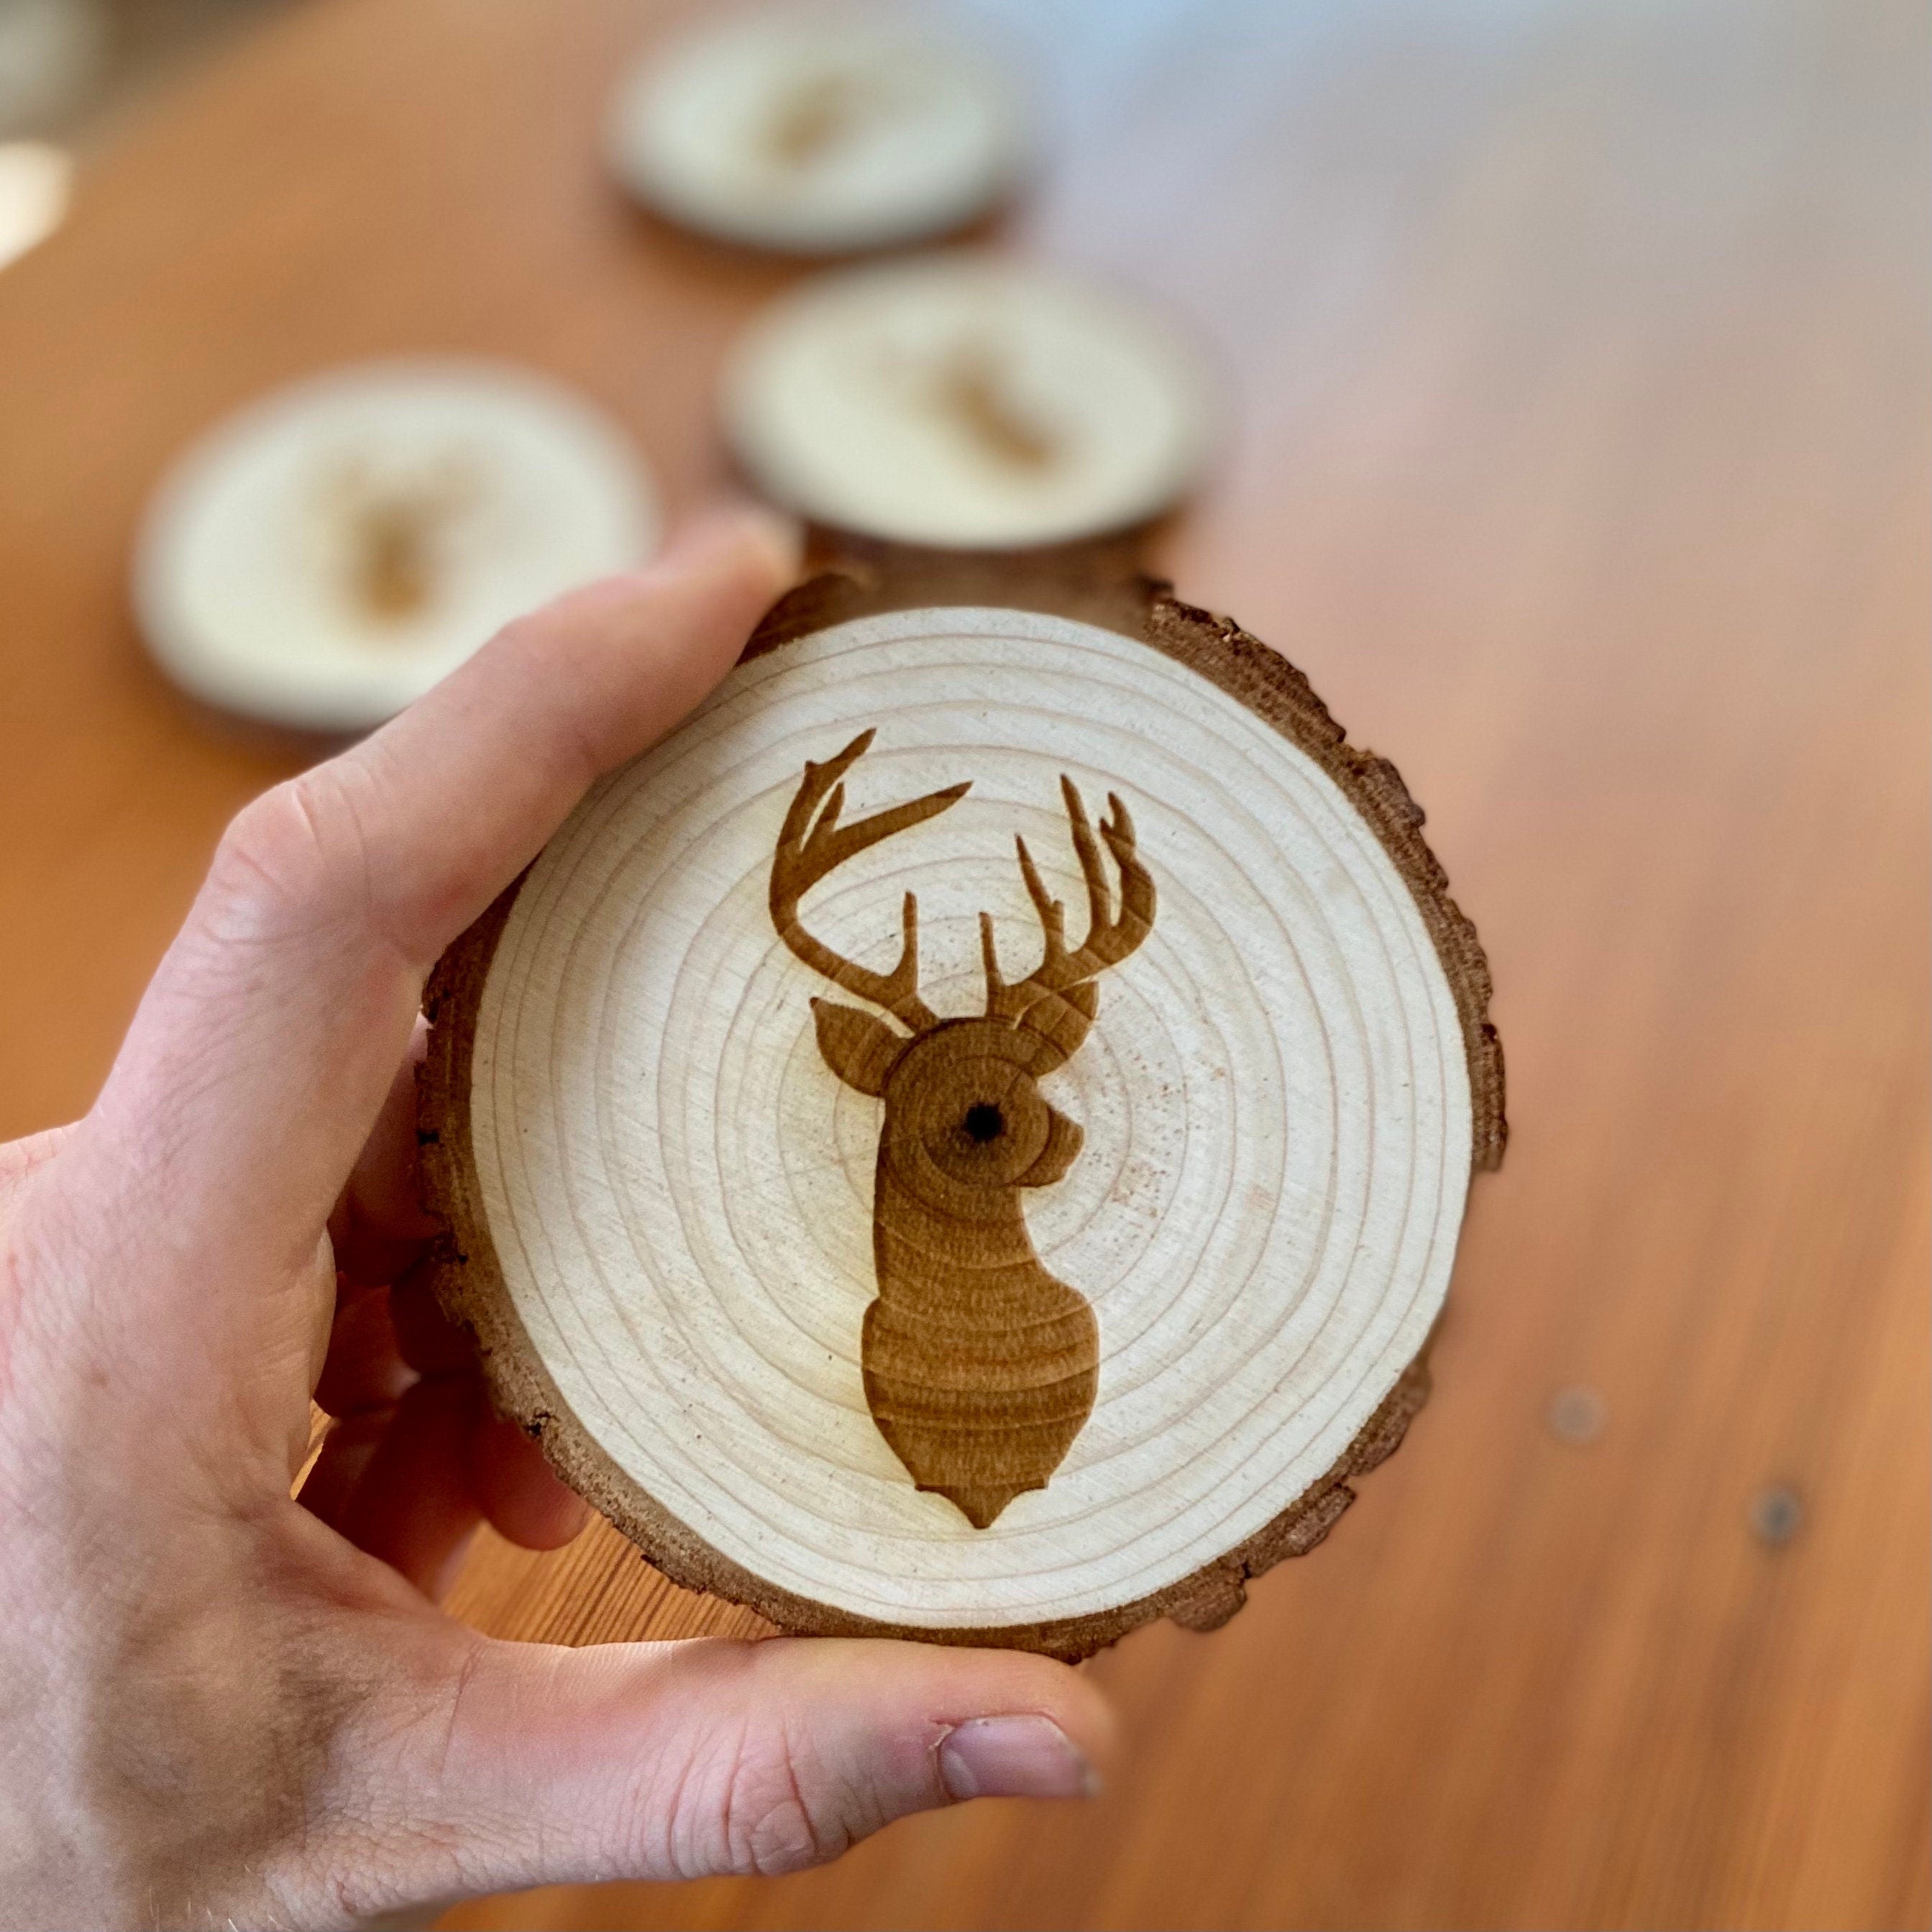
979,1367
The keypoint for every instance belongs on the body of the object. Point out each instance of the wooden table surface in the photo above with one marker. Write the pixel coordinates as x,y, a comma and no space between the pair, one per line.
1580,458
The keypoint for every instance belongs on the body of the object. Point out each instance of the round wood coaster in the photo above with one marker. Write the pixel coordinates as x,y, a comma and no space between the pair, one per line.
962,399
323,556
821,129
966,1139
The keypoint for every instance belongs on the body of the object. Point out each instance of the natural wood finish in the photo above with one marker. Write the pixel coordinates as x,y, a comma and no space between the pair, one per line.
1581,356
645,1207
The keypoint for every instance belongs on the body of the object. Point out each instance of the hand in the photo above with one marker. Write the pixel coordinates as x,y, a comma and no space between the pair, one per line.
219,1705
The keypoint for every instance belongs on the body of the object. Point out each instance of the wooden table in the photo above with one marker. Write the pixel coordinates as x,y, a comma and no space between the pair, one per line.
1581,460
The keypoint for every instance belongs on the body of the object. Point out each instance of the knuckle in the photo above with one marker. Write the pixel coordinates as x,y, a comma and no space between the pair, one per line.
271,851
288,859
752,1798
779,1816
786,1839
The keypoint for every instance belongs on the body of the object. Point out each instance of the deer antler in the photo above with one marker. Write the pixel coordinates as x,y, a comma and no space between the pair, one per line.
1111,935
807,850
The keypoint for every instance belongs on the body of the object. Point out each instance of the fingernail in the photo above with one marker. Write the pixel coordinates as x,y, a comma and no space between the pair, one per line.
1019,1757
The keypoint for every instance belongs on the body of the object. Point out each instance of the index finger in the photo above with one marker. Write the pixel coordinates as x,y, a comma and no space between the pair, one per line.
260,1055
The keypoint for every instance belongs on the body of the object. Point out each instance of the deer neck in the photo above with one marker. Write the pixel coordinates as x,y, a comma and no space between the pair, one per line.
918,1251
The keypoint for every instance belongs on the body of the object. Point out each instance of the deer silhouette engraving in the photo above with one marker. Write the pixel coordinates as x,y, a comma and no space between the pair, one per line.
979,1365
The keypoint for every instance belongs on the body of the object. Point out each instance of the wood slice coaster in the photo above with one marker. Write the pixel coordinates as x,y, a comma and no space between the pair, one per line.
822,129
964,400
966,1139
320,558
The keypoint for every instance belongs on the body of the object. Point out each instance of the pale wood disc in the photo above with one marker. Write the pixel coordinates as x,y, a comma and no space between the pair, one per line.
662,1196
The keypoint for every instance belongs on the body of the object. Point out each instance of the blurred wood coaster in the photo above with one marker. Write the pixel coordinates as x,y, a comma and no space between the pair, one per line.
319,558
906,1199
960,399
822,129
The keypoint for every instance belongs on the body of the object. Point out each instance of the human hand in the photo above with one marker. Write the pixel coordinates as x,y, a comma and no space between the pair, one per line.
219,1705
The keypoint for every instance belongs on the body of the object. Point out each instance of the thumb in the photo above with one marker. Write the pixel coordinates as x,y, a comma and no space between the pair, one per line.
693,1760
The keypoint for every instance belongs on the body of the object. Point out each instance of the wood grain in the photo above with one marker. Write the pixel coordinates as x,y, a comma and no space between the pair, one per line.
660,1194
1581,357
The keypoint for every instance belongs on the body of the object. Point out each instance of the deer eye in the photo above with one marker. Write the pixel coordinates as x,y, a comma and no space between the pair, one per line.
984,1122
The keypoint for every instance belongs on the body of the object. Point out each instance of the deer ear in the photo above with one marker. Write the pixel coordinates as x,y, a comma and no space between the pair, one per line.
857,1048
